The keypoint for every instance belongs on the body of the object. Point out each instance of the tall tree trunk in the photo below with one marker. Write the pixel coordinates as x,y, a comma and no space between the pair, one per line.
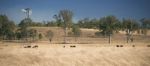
65,31
127,38
75,39
104,34
109,39
145,32
128,35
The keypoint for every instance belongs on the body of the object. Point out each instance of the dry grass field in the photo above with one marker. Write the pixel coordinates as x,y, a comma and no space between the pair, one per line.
87,51
81,55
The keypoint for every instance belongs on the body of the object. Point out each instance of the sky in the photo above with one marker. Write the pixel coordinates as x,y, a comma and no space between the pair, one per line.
43,10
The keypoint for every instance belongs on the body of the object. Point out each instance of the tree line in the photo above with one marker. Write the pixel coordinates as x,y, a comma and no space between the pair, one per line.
107,26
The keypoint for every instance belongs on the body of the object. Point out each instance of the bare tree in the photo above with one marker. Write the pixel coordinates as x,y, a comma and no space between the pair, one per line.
66,18
130,26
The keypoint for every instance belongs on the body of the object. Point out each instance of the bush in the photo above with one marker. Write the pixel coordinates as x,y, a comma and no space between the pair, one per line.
49,35
40,36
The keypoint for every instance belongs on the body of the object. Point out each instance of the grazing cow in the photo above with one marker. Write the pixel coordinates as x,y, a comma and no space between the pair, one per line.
121,45
148,45
35,46
73,46
63,46
50,40
117,45
133,45
27,46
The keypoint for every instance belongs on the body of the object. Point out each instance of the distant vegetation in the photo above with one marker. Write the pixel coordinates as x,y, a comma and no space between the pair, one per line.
107,26
49,35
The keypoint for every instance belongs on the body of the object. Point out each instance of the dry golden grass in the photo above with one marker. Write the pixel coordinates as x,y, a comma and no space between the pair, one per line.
81,55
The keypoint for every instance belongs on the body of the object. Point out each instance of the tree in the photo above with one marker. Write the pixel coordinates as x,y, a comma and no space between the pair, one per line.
49,35
66,18
7,28
88,23
145,25
58,20
32,34
118,26
40,36
108,25
51,23
18,34
84,23
130,26
24,24
76,31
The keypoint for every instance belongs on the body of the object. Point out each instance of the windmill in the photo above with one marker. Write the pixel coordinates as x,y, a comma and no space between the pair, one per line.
27,11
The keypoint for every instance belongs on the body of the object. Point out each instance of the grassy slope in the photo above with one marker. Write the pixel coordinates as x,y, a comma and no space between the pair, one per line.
88,36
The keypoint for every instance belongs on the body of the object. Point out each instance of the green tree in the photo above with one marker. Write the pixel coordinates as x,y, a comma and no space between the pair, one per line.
88,23
66,18
107,25
51,24
58,20
85,23
118,26
39,24
18,34
24,24
145,25
76,31
32,34
7,28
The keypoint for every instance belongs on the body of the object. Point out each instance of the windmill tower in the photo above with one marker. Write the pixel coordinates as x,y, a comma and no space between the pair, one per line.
27,12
